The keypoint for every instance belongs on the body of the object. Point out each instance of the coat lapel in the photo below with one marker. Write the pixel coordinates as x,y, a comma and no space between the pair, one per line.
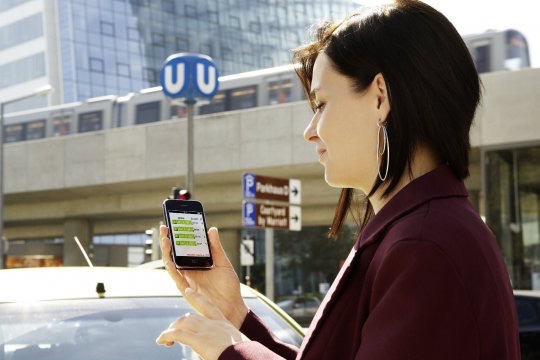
330,297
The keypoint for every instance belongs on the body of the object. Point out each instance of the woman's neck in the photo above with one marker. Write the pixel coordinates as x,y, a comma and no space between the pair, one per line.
422,162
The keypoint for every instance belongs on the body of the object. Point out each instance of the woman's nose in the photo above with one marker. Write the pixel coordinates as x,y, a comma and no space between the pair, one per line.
310,133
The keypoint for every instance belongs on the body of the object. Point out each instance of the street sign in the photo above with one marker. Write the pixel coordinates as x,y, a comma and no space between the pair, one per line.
247,252
271,216
189,76
271,188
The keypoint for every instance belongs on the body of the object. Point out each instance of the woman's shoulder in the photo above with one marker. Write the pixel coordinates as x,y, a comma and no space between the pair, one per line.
446,222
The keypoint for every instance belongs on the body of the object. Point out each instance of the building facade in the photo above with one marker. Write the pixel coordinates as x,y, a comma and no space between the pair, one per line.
87,49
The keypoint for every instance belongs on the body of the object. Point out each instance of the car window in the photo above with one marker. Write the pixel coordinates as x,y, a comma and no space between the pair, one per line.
528,311
104,329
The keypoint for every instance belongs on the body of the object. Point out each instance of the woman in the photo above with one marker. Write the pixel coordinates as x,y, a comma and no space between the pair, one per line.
394,93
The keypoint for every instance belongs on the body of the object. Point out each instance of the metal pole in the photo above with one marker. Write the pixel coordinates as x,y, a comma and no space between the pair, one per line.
190,167
248,276
269,270
2,186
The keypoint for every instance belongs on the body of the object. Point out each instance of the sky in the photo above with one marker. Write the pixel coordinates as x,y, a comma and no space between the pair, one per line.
476,16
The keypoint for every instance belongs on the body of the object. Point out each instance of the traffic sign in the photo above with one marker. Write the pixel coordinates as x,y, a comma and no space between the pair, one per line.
189,76
271,216
271,188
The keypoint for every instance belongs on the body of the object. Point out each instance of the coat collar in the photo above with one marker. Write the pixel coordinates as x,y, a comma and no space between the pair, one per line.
438,183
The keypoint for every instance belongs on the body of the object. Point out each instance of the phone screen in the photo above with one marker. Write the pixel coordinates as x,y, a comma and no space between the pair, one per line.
188,233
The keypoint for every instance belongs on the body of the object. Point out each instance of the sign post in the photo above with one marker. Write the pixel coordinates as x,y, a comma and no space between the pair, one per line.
272,203
189,77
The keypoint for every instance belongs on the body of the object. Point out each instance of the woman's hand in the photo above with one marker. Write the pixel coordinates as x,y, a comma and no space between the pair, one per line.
208,334
220,285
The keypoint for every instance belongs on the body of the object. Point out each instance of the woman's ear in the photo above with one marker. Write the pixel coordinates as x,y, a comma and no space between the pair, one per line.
383,103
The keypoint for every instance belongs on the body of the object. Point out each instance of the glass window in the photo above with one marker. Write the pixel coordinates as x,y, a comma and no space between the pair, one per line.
148,112
182,44
13,133
107,28
150,75
235,22
91,121
513,210
178,111
61,125
191,11
35,130
527,311
248,58
158,39
482,57
280,91
267,62
133,34
21,31
517,51
205,49
22,70
217,104
123,69
213,17
255,27
243,98
168,6
96,65
226,53
8,4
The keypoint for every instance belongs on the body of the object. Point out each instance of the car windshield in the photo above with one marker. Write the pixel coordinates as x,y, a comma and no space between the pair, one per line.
105,328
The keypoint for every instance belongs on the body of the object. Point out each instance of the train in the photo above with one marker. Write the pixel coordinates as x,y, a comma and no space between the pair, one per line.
491,51
241,91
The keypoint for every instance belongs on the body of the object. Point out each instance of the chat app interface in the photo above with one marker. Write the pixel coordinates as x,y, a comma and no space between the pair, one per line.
188,234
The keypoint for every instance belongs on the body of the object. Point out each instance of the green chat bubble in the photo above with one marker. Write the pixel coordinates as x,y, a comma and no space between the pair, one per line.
186,243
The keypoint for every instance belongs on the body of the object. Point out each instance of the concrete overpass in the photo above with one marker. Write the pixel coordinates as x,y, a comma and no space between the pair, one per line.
114,181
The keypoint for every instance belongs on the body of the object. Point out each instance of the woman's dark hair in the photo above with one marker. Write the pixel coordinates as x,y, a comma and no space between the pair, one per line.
432,84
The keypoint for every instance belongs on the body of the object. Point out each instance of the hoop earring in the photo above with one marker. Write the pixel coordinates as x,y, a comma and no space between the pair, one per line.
386,147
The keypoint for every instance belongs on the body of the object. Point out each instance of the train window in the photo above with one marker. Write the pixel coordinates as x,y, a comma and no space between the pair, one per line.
13,133
61,125
280,91
178,111
217,104
517,51
482,56
35,130
148,112
91,121
243,98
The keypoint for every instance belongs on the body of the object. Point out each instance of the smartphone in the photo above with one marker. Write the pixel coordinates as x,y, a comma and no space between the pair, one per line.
188,233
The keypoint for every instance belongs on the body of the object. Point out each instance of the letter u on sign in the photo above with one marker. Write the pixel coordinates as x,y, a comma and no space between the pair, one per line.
174,80
206,79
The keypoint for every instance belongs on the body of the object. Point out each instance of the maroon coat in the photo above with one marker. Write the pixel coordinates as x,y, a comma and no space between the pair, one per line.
425,280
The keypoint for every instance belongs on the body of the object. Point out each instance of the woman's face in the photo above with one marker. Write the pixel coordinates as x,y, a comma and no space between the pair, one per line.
344,127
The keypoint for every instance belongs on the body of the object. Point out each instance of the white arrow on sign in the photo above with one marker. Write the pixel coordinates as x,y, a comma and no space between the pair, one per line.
295,191
295,218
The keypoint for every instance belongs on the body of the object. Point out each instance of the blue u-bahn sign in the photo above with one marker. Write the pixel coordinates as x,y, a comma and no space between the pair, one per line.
189,76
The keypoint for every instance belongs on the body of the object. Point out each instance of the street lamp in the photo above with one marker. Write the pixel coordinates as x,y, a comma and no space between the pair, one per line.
40,91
